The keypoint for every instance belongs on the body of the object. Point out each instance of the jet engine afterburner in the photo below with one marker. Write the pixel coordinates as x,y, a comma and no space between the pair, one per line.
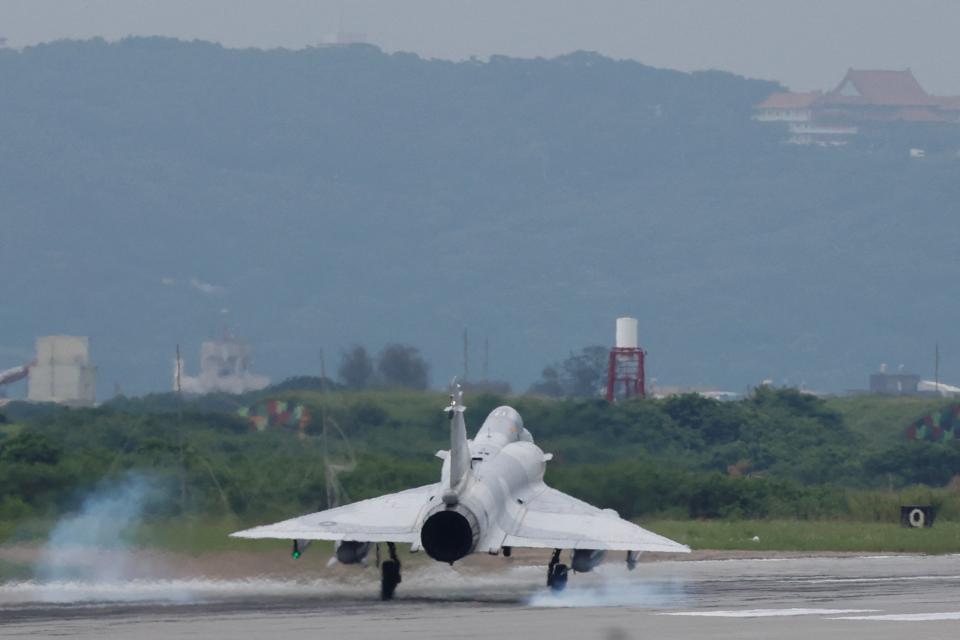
450,533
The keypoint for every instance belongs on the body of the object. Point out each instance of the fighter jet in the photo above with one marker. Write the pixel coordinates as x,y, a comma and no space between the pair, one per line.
491,498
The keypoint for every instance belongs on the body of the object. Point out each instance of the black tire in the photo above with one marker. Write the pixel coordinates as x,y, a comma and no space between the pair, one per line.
389,578
558,578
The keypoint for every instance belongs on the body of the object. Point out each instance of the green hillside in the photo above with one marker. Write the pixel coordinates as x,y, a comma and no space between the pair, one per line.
316,198
881,421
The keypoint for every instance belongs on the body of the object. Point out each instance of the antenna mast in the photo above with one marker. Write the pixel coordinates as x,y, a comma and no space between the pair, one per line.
183,469
466,357
486,358
334,490
323,372
936,366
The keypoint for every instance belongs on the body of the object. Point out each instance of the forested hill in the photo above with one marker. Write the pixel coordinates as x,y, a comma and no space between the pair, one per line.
152,190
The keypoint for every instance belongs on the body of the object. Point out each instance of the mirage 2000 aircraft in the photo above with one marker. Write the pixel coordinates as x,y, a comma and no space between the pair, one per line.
491,498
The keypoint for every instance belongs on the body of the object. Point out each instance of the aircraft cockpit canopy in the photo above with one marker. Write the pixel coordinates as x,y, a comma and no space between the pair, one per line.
505,422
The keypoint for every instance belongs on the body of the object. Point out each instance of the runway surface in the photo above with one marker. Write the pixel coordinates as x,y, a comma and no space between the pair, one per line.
853,597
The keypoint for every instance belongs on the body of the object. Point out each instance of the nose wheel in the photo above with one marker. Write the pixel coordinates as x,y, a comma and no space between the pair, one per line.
389,573
556,573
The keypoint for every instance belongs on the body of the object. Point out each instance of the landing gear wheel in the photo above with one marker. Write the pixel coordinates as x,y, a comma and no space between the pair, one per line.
389,579
389,574
556,573
558,578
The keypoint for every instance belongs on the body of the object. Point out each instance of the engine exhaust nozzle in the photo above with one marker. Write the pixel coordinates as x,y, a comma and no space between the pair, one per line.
450,533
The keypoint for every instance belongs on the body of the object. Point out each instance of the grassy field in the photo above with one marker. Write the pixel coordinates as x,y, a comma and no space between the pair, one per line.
798,535
188,535
14,571
774,535
196,538
200,536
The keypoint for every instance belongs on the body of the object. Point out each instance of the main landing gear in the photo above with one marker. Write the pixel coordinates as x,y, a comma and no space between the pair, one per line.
389,573
556,573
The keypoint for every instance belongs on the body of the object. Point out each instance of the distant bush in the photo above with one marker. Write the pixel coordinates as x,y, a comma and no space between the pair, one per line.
777,454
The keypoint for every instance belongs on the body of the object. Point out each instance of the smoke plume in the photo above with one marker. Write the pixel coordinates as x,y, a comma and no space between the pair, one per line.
93,545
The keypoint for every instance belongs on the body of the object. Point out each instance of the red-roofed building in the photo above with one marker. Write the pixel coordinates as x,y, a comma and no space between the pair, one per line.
876,88
863,97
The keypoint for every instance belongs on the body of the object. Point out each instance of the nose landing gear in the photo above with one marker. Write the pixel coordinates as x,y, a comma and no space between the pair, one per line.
389,573
556,573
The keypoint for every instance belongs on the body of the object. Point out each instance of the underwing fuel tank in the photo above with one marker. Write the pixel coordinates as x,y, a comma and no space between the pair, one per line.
350,552
585,560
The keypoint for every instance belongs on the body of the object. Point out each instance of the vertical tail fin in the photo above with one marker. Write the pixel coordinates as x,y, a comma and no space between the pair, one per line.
459,449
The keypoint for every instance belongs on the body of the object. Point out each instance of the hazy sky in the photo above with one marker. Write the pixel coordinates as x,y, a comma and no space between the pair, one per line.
804,43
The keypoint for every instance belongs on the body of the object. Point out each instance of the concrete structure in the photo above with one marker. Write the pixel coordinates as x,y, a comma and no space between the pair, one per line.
224,367
863,98
895,384
63,372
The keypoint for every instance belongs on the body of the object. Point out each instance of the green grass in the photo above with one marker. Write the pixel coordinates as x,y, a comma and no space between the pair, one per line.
197,536
401,405
882,420
802,535
25,530
12,571
200,536
10,430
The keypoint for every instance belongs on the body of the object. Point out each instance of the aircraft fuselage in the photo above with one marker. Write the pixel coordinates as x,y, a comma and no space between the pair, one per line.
506,468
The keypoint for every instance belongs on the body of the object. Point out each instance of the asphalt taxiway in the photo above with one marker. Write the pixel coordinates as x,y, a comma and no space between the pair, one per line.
873,597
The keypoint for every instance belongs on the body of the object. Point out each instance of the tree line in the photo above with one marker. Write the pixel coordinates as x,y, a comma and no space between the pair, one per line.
396,366
777,453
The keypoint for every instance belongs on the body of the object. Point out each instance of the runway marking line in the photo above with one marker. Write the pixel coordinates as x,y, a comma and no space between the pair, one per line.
765,613
906,617
877,579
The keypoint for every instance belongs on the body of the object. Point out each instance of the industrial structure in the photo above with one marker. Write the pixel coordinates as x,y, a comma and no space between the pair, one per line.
15,374
626,376
909,384
62,372
224,367
10,376
894,384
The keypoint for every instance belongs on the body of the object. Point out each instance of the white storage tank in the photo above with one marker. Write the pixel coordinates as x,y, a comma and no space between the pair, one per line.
627,333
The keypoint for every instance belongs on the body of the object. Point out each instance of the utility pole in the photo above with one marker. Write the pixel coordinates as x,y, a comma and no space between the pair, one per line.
183,469
466,358
486,358
323,372
936,366
329,475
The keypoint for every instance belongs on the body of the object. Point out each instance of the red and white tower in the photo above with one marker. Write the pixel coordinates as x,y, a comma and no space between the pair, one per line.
625,375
